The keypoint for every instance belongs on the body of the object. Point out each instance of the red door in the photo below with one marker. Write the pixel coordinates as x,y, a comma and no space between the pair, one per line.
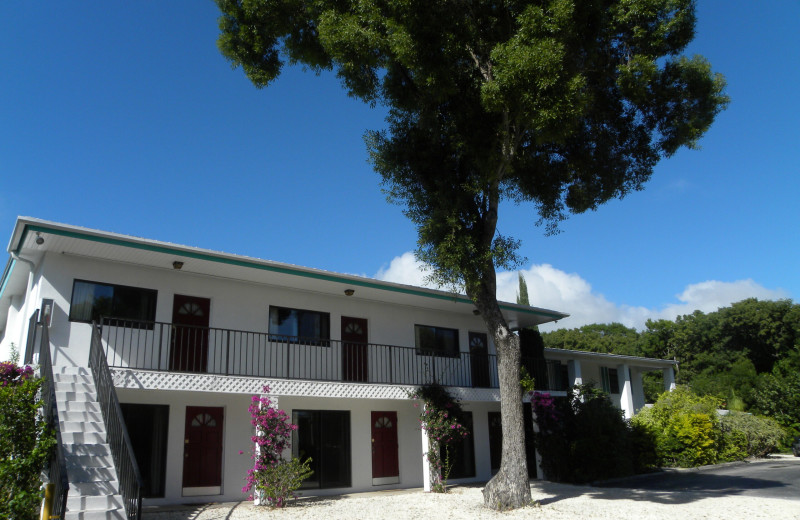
385,463
202,448
189,351
354,349
479,359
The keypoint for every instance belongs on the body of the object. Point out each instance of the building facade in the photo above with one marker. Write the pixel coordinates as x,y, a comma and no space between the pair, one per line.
190,335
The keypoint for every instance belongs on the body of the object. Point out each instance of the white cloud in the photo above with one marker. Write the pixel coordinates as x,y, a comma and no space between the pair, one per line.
552,288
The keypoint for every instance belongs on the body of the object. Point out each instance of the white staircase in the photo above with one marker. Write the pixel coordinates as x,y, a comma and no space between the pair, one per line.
93,483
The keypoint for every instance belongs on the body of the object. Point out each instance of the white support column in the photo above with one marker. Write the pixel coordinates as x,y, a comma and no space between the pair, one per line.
538,456
625,390
669,379
426,466
638,390
574,372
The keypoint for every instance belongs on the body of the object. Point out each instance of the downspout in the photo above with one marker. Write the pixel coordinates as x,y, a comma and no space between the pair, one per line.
22,331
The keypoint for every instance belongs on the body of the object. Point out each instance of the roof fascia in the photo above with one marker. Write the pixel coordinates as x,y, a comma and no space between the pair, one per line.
617,357
26,225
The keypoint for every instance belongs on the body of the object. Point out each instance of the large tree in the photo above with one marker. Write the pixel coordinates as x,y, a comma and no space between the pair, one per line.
564,104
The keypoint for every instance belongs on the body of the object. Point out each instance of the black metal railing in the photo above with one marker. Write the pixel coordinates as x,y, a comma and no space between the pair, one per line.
130,480
57,468
178,348
31,345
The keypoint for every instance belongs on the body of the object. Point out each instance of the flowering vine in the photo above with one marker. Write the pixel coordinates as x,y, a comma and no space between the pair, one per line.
440,418
274,478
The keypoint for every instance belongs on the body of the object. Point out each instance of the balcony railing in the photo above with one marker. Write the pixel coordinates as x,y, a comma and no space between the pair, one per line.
179,348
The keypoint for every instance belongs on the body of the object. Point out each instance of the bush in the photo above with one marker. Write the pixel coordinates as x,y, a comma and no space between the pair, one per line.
25,442
745,435
279,480
684,428
583,437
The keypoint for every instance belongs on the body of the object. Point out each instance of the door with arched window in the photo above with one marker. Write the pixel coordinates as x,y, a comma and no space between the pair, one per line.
202,450
354,349
385,461
189,352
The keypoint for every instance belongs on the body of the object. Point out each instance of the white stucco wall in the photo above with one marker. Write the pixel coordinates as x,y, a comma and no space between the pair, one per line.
234,305
237,433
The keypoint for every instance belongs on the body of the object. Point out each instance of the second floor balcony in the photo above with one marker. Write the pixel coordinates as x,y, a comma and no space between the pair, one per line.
166,347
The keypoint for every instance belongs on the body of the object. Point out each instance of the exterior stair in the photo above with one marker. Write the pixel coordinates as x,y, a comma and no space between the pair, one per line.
93,484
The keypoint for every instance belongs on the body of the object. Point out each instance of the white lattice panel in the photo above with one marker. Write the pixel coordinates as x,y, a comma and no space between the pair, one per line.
149,380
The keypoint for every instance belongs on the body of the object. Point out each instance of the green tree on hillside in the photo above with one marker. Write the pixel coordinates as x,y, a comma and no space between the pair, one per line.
562,104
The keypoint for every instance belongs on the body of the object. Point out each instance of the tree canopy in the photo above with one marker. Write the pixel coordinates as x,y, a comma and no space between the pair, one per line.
564,104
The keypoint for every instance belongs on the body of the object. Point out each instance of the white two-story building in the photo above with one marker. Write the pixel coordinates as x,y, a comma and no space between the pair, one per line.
189,335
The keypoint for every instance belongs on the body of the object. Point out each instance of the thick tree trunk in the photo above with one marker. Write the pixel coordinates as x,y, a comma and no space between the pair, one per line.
509,488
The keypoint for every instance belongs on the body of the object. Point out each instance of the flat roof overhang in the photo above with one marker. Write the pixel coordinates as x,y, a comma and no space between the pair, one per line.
101,245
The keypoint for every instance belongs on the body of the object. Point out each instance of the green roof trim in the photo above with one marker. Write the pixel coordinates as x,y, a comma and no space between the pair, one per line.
6,275
261,266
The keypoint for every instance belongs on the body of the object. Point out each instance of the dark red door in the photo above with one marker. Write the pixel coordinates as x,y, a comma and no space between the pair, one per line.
189,351
384,445
202,448
479,359
354,349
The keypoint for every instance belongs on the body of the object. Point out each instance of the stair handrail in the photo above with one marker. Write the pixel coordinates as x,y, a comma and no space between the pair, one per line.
57,471
130,479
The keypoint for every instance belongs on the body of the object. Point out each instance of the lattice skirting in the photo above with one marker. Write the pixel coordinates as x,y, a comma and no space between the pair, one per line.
150,380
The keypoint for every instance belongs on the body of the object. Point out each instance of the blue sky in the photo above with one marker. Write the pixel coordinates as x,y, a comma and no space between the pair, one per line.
123,116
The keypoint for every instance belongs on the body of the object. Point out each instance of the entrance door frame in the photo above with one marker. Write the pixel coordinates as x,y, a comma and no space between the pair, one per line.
355,335
189,342
204,448
385,448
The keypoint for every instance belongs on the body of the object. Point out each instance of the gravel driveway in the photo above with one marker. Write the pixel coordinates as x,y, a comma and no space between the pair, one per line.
553,502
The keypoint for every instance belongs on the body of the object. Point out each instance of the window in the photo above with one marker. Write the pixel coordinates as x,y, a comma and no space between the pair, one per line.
91,300
436,341
610,380
323,435
299,326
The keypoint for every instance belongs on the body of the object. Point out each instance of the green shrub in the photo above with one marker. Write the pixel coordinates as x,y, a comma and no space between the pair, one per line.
746,435
25,443
582,438
278,481
684,427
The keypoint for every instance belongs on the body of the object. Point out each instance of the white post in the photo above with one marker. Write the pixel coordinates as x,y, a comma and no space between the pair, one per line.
637,388
273,404
538,456
426,466
669,379
574,372
626,394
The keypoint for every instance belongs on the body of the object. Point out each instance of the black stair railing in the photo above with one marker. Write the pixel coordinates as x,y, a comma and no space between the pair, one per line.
57,468
130,480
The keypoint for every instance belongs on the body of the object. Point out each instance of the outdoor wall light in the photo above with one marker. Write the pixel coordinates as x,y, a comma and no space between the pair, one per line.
177,265
39,239
349,292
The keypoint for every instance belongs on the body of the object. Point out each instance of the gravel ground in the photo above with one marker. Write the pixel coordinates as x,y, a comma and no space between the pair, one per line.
551,502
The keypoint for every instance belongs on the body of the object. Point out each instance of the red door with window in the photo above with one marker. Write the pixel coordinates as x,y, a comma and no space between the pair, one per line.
479,359
189,351
354,349
385,463
202,448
